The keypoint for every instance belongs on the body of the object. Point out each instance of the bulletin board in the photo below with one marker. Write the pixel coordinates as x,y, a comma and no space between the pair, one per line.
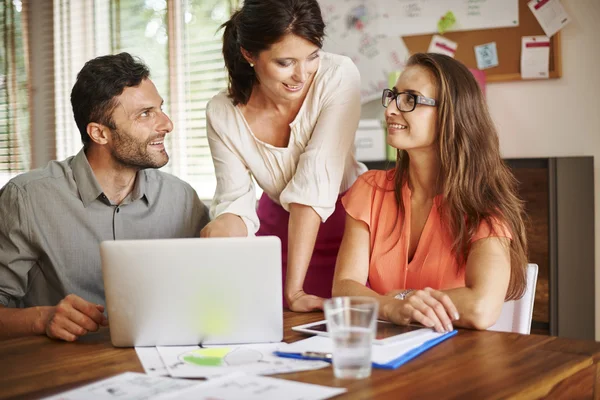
508,44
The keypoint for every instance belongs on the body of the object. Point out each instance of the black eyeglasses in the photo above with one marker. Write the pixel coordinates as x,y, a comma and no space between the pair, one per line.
405,101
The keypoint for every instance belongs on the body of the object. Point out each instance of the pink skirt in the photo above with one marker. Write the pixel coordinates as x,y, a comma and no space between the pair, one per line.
319,277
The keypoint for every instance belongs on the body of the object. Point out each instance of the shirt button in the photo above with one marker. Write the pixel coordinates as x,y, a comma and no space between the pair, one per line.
118,209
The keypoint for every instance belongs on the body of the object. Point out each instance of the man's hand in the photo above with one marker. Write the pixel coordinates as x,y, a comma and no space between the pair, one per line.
302,302
74,317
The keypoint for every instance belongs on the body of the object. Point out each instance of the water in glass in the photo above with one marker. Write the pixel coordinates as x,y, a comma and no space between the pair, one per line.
352,352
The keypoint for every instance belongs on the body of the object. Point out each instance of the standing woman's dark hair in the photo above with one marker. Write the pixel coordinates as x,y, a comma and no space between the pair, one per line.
258,25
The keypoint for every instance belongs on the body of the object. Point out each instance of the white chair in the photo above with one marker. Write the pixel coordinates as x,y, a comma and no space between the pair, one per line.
516,314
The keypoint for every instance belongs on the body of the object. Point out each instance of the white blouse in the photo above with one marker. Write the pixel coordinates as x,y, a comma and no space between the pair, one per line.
317,165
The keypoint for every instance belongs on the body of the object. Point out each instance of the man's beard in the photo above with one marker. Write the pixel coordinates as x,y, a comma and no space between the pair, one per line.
131,153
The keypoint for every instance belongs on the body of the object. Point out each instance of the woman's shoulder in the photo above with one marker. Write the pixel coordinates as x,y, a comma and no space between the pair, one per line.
338,65
377,179
220,105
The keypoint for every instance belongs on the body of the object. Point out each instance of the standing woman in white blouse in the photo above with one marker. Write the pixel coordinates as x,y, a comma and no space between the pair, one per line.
288,119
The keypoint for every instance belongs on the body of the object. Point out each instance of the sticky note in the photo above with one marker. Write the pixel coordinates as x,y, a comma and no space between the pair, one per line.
442,45
535,57
486,55
446,22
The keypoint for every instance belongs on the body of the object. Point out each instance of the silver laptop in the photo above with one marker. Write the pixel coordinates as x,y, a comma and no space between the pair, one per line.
193,291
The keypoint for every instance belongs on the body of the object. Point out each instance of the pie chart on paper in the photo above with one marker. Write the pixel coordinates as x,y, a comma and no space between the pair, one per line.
221,356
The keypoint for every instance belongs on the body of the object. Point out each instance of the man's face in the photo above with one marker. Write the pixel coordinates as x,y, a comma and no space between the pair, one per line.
141,127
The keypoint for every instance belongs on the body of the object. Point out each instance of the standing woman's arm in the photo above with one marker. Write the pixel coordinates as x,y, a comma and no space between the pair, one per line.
302,234
233,209
312,193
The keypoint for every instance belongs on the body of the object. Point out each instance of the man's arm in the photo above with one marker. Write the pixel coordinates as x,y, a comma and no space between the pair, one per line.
22,321
69,319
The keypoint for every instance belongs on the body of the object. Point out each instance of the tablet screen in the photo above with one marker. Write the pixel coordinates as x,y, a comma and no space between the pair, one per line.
384,329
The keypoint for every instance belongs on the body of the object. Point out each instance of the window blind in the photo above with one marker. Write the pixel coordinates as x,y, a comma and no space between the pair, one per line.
14,93
179,41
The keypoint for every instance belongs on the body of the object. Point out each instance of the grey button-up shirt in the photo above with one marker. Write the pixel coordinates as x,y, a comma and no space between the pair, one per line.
52,221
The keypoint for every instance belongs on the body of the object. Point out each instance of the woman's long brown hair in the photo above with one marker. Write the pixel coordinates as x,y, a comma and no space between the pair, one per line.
475,184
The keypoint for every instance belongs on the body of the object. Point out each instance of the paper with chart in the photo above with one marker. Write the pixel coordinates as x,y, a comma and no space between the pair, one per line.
128,385
210,362
369,31
240,386
151,361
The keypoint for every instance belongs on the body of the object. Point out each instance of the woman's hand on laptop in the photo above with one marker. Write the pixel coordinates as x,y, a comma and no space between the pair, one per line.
302,302
74,317
429,307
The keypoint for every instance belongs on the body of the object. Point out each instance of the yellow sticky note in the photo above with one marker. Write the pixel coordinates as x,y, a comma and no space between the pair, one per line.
446,22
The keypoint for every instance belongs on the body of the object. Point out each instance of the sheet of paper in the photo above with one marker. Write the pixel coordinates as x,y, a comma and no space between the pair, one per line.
535,57
417,17
210,362
151,361
239,386
442,45
486,55
550,14
381,354
128,385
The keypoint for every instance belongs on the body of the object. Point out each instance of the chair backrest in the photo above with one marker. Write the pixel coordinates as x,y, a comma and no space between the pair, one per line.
516,314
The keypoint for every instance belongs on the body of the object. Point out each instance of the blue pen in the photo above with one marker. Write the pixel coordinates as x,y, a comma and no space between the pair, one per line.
305,355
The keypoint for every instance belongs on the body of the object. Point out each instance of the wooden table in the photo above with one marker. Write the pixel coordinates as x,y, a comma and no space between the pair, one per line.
472,365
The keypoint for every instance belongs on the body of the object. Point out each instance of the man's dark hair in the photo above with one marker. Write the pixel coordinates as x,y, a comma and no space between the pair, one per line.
98,83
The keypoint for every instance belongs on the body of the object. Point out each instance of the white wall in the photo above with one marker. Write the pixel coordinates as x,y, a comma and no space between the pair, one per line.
556,117
559,117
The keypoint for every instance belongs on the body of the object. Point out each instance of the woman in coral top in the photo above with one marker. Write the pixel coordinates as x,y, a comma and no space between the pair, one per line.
440,239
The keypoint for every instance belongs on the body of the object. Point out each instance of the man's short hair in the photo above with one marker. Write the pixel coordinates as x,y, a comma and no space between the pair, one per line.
98,83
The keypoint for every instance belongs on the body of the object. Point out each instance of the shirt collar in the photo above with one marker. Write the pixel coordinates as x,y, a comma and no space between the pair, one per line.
87,185
142,189
89,189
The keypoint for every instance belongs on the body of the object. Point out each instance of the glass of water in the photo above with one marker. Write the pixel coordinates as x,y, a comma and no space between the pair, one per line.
351,323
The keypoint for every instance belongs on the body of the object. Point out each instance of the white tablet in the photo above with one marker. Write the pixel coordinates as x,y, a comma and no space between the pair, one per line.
386,331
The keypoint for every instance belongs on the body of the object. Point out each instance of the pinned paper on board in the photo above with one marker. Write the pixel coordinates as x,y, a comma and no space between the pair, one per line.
442,45
480,78
446,22
535,57
550,14
486,55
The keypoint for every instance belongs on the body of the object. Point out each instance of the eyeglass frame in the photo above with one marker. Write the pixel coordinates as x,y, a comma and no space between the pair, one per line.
426,101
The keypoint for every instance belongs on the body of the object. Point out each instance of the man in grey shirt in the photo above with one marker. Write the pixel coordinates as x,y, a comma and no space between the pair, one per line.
52,220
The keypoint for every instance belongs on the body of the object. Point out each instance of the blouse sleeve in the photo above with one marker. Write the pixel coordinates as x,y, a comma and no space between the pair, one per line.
358,199
235,191
497,229
318,177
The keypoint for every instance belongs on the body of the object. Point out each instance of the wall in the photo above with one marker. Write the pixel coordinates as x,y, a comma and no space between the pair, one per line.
558,117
